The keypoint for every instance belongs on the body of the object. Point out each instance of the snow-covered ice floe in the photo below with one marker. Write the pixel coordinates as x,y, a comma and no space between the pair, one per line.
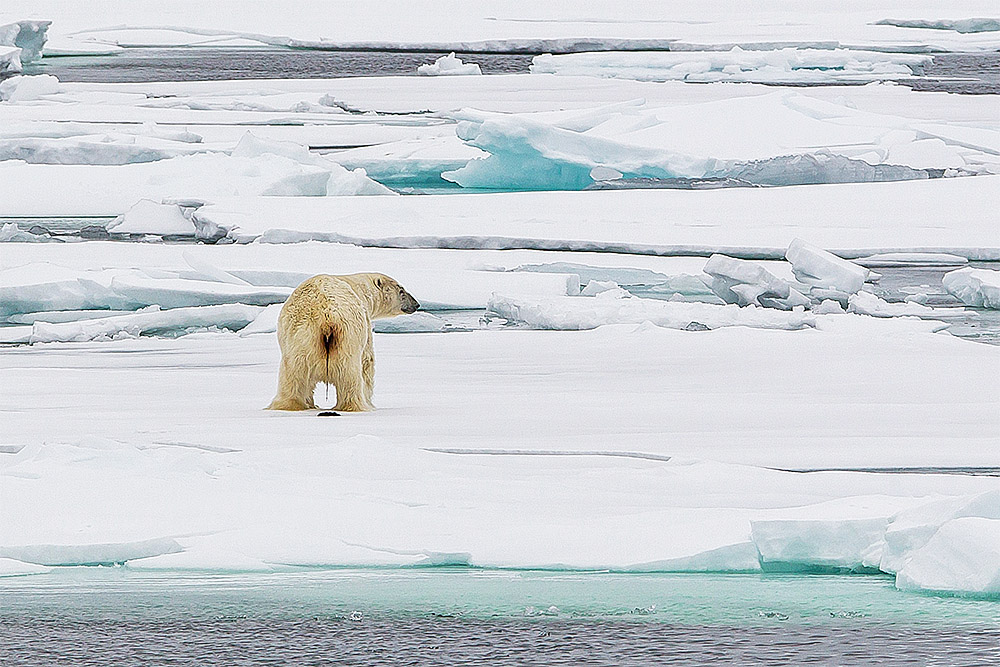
776,139
449,65
887,259
787,65
148,217
256,168
852,220
28,89
975,287
608,134
588,448
820,268
49,287
617,307
962,558
958,25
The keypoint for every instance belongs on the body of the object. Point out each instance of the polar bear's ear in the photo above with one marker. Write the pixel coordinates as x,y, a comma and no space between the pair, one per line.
378,283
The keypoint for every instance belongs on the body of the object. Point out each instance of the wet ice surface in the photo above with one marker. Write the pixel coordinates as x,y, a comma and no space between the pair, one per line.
454,616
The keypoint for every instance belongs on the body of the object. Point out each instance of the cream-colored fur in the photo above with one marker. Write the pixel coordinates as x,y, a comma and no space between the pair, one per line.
325,335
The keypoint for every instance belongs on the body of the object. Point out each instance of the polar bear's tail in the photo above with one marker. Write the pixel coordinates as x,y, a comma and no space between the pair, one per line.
328,339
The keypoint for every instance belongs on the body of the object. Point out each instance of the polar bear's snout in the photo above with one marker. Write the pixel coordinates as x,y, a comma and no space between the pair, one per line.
409,304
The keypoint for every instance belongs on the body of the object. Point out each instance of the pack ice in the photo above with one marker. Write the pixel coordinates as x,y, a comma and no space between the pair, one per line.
615,306
773,139
788,65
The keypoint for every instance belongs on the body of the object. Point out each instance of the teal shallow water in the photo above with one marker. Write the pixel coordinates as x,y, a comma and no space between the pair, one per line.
460,616
91,592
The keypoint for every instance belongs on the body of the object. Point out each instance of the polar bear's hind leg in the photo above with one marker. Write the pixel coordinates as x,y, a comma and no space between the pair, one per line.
351,387
295,390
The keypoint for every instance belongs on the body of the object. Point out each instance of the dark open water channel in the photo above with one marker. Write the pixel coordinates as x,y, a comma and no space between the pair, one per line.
967,73
215,63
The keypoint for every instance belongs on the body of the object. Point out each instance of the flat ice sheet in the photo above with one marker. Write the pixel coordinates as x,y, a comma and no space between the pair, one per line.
859,218
624,423
808,398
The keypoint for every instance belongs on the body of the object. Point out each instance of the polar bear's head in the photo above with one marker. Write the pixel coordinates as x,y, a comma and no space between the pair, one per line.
390,297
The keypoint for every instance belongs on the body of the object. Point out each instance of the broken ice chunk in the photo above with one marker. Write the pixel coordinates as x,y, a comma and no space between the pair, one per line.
815,266
795,299
743,282
821,294
866,303
910,529
449,65
148,217
28,88
829,307
975,287
603,287
963,557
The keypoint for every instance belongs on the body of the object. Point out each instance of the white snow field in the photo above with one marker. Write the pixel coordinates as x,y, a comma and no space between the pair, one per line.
752,404
595,449
854,220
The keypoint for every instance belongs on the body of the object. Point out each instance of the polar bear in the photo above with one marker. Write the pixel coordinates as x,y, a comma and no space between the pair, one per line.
325,335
